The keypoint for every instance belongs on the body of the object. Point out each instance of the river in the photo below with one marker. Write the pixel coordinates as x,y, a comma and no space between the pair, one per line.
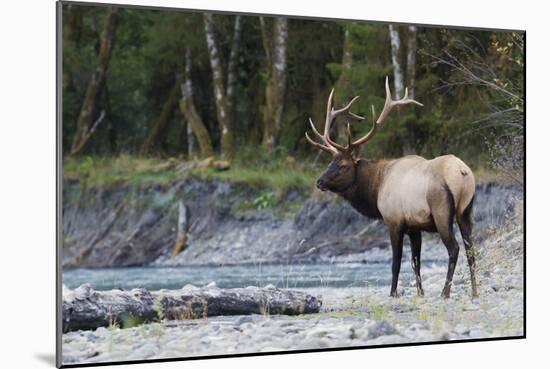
335,275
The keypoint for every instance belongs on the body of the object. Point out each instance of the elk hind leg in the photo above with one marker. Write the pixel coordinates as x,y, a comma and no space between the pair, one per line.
396,237
443,211
416,246
464,221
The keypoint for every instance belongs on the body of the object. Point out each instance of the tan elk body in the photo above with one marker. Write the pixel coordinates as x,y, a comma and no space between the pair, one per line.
404,193
411,194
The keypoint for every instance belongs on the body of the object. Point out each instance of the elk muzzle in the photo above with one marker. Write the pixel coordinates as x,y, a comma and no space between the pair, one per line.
321,184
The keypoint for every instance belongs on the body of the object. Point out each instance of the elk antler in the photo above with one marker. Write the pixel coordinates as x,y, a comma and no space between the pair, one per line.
332,147
328,144
388,106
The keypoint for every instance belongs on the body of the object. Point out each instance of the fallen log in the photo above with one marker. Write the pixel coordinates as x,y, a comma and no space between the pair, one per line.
183,229
86,308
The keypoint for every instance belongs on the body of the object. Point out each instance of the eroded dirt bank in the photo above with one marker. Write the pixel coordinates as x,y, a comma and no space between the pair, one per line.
127,225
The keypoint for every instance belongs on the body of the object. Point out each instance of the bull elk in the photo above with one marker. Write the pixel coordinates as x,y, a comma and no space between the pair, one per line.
411,194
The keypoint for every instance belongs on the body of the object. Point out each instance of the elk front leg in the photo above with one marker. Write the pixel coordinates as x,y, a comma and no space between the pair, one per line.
396,237
416,245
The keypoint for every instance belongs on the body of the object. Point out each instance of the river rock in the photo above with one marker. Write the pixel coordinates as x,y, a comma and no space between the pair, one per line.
380,328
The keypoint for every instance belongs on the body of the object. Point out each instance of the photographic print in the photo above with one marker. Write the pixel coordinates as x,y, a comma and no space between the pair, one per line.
242,184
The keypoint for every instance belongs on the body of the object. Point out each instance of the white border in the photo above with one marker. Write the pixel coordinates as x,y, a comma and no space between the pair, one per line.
27,184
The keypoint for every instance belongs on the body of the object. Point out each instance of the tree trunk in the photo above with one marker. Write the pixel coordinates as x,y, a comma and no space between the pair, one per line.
343,80
85,126
156,134
220,96
319,95
191,141
183,229
276,85
411,60
85,308
72,32
266,40
397,70
111,131
187,108
409,147
72,29
232,66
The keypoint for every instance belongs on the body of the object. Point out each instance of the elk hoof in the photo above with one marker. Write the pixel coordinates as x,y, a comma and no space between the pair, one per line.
394,294
420,293
446,293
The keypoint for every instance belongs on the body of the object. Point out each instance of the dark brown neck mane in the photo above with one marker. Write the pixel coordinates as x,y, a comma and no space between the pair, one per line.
363,194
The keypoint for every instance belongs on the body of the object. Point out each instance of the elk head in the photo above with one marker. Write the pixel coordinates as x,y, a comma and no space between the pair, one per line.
341,173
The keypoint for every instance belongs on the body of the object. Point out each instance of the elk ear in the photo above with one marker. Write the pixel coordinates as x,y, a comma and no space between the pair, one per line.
354,153
352,150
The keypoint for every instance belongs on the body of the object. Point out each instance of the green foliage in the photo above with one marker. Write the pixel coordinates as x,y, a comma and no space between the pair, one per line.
158,307
149,53
263,201
131,321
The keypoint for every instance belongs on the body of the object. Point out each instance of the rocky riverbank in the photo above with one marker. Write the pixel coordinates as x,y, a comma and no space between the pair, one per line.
361,316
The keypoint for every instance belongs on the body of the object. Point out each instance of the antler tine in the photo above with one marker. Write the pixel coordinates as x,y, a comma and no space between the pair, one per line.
315,129
389,104
328,149
332,114
328,119
334,144
345,109
323,137
325,147
327,143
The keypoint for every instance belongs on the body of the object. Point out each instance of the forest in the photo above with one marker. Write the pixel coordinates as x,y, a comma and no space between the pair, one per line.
140,83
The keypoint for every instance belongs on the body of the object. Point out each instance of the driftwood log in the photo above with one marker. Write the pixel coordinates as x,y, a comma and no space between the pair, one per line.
86,308
183,229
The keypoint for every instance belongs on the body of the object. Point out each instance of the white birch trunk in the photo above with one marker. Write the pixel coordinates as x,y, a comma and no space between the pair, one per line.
280,66
196,130
187,94
409,146
219,89
276,56
411,60
397,70
233,62
347,57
